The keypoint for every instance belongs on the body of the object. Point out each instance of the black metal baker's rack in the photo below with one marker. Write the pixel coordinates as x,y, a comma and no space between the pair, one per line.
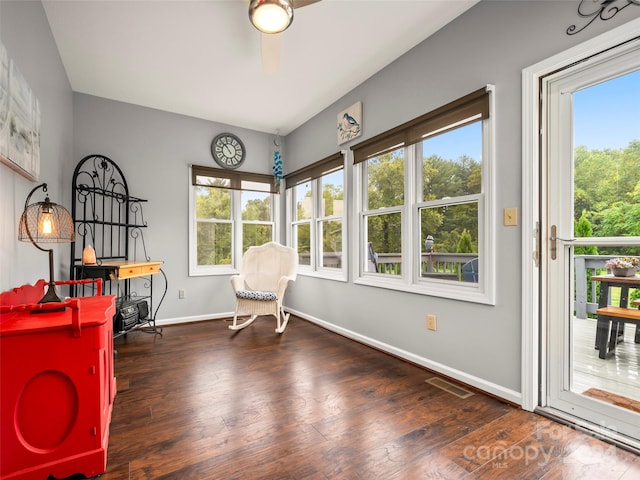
110,220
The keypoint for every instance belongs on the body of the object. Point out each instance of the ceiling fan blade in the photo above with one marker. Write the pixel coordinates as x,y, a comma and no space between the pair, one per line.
270,52
270,44
303,3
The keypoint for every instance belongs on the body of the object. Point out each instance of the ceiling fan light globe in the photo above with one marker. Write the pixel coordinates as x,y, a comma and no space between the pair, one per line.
271,16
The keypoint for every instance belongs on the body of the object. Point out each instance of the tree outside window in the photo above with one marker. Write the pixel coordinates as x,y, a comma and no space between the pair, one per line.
329,220
425,206
385,195
257,219
316,196
213,214
451,191
231,211
303,214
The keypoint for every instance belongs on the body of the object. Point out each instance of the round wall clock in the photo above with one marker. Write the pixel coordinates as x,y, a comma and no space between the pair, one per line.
228,150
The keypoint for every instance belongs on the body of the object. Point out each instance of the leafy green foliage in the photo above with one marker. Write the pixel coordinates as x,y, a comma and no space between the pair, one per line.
303,234
442,178
258,209
607,193
332,204
386,189
451,178
213,235
386,180
582,228
464,244
332,195
214,227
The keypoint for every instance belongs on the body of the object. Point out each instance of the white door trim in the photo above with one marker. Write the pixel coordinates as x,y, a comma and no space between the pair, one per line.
533,352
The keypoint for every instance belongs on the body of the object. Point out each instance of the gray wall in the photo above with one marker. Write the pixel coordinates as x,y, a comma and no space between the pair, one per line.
25,33
154,150
491,43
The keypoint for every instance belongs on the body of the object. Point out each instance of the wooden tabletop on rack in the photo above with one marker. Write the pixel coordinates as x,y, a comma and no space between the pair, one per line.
124,269
634,280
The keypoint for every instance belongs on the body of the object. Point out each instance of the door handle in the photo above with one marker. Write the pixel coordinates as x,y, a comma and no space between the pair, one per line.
553,246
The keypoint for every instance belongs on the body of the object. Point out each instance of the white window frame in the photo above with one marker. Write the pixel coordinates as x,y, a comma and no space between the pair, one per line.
410,280
316,268
196,270
293,223
365,213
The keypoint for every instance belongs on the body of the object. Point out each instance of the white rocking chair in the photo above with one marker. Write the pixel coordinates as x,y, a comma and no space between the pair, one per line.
264,276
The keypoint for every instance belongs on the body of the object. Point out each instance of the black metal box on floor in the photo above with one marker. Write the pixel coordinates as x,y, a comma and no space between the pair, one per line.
129,313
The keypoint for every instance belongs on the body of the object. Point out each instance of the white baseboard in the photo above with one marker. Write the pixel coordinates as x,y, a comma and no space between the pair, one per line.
479,383
196,318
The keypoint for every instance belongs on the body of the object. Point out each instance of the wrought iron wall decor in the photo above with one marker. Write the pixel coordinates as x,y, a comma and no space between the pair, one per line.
602,9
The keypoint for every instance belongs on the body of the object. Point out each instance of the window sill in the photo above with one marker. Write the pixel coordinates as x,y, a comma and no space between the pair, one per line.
338,276
213,271
462,291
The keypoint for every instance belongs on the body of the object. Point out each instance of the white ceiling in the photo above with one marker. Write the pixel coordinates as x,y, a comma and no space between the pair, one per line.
202,57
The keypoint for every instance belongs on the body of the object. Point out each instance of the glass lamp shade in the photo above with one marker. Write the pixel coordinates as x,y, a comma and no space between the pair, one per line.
271,16
46,222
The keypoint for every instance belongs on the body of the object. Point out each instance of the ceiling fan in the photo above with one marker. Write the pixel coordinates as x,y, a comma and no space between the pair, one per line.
272,17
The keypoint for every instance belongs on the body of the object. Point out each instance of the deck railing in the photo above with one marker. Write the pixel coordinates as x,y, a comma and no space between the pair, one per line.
449,266
586,291
443,265
329,259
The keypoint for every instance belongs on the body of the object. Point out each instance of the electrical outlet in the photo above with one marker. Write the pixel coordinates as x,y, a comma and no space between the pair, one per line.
432,323
181,294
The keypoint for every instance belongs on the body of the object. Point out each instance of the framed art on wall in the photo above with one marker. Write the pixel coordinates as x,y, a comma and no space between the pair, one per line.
19,121
350,123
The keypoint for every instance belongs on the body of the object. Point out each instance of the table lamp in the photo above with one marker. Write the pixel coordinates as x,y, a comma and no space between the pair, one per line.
46,222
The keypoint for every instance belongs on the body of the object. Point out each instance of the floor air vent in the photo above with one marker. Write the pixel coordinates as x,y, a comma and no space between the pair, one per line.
447,386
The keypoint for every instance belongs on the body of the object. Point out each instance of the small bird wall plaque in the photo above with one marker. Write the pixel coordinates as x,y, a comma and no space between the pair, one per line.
350,123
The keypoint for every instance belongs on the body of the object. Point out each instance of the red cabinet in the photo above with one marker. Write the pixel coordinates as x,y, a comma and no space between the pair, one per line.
56,385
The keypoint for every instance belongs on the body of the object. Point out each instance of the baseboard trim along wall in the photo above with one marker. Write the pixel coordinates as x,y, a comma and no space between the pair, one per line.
479,383
195,318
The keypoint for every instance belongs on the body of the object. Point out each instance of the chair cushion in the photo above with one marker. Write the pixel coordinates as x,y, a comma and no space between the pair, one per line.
254,295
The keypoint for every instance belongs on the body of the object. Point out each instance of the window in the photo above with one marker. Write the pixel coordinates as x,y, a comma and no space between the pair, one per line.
315,199
425,203
230,211
382,216
302,215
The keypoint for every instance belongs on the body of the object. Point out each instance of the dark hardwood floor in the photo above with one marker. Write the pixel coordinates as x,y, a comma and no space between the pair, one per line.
202,402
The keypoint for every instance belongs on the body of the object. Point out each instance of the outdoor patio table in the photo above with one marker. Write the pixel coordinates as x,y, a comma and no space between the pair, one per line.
606,321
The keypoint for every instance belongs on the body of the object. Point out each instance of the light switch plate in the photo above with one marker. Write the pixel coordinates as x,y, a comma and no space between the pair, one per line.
510,217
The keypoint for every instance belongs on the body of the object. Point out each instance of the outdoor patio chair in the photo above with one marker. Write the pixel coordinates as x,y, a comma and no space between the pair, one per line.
470,271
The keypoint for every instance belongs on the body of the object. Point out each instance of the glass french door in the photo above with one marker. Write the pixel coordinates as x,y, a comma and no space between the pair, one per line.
591,213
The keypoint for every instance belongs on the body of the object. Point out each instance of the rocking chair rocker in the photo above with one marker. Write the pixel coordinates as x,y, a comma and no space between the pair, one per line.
259,288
